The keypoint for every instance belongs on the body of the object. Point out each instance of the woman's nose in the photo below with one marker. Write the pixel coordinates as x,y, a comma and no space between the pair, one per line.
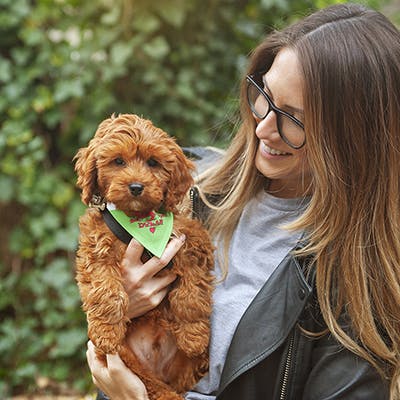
267,126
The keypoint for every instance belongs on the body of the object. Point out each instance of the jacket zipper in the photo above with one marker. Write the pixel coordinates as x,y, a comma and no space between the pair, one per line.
193,198
288,364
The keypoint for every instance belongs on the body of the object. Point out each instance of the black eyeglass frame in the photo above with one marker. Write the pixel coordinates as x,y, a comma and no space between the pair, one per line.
250,81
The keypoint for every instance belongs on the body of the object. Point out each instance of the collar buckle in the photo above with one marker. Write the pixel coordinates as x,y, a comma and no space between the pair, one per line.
97,202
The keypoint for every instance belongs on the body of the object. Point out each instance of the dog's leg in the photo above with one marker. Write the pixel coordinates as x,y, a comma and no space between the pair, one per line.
98,274
190,300
105,303
105,308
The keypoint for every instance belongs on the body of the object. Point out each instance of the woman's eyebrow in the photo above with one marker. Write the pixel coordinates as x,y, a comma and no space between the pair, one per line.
285,106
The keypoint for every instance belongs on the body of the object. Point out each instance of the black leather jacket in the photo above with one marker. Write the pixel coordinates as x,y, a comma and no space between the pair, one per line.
270,356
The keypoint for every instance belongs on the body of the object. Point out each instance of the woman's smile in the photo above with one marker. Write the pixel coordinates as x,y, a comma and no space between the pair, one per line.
269,151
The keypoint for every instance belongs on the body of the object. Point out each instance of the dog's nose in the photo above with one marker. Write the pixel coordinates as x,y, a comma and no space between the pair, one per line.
136,188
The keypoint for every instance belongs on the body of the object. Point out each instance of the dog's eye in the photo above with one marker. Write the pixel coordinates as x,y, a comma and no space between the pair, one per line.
151,162
119,161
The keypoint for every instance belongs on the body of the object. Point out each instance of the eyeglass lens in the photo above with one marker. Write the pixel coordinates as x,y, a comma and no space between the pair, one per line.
292,133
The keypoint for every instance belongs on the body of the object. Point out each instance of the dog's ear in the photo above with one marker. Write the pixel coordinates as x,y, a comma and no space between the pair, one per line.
181,180
86,170
85,158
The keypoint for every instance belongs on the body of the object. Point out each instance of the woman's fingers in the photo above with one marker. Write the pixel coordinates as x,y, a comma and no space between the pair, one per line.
91,355
137,308
133,254
115,379
150,268
115,365
144,279
147,295
95,365
145,285
156,264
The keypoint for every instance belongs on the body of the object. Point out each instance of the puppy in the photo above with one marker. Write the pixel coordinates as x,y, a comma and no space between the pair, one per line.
135,169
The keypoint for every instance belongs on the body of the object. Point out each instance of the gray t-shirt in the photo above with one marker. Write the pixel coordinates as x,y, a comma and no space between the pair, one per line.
258,246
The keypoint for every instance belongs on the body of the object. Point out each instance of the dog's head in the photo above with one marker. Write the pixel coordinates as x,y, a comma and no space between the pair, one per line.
134,165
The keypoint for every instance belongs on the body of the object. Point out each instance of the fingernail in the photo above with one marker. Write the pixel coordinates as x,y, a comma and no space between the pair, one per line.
182,238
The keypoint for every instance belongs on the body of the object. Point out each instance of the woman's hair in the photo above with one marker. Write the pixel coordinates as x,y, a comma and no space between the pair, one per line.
350,61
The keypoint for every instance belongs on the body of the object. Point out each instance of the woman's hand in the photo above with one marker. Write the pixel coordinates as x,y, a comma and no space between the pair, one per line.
116,380
144,287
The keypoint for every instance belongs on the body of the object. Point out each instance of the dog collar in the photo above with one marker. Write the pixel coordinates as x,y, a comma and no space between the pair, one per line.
152,231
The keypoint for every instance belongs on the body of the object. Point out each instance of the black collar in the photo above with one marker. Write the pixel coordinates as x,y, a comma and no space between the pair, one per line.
115,227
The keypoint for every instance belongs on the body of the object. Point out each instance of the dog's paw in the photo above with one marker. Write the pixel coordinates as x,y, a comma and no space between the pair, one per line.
106,347
108,338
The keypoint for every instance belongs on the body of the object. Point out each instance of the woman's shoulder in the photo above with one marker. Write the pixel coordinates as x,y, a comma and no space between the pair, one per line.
203,157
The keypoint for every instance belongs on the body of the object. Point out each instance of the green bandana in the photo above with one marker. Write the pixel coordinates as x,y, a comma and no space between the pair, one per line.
152,232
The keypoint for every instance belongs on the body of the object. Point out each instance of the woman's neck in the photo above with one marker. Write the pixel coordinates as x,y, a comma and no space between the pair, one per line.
288,190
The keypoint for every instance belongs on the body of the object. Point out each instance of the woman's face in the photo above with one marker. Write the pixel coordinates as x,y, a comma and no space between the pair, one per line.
287,168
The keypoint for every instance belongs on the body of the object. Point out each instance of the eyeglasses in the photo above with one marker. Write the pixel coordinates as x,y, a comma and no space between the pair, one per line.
290,129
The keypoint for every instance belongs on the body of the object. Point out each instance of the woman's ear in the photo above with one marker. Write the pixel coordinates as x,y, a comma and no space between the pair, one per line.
86,170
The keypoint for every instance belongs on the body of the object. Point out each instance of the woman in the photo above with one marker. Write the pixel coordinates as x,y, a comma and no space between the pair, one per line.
306,223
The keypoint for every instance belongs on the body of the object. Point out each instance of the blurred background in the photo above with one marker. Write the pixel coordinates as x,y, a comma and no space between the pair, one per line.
65,65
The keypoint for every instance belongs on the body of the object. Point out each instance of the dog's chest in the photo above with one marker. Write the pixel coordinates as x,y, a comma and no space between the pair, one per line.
154,345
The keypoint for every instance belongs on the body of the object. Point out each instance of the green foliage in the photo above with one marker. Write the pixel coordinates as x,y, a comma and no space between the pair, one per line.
64,66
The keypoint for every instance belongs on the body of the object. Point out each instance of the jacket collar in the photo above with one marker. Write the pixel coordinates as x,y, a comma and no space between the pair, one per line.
268,320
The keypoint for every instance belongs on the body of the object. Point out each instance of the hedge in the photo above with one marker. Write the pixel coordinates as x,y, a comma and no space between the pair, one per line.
64,66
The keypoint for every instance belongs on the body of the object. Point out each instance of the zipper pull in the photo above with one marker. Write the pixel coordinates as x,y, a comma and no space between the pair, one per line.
194,201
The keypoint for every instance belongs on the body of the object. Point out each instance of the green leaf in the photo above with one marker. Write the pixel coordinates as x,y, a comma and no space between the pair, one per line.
157,48
173,12
32,36
68,342
145,22
63,195
7,188
43,100
5,70
121,52
68,89
66,239
48,221
26,370
112,17
57,274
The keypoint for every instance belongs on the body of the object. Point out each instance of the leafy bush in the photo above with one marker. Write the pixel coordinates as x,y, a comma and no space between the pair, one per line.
64,66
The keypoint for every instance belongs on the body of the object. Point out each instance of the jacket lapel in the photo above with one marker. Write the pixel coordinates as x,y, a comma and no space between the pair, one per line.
268,320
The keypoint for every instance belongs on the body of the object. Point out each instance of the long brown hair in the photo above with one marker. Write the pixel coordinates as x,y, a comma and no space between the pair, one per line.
350,60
